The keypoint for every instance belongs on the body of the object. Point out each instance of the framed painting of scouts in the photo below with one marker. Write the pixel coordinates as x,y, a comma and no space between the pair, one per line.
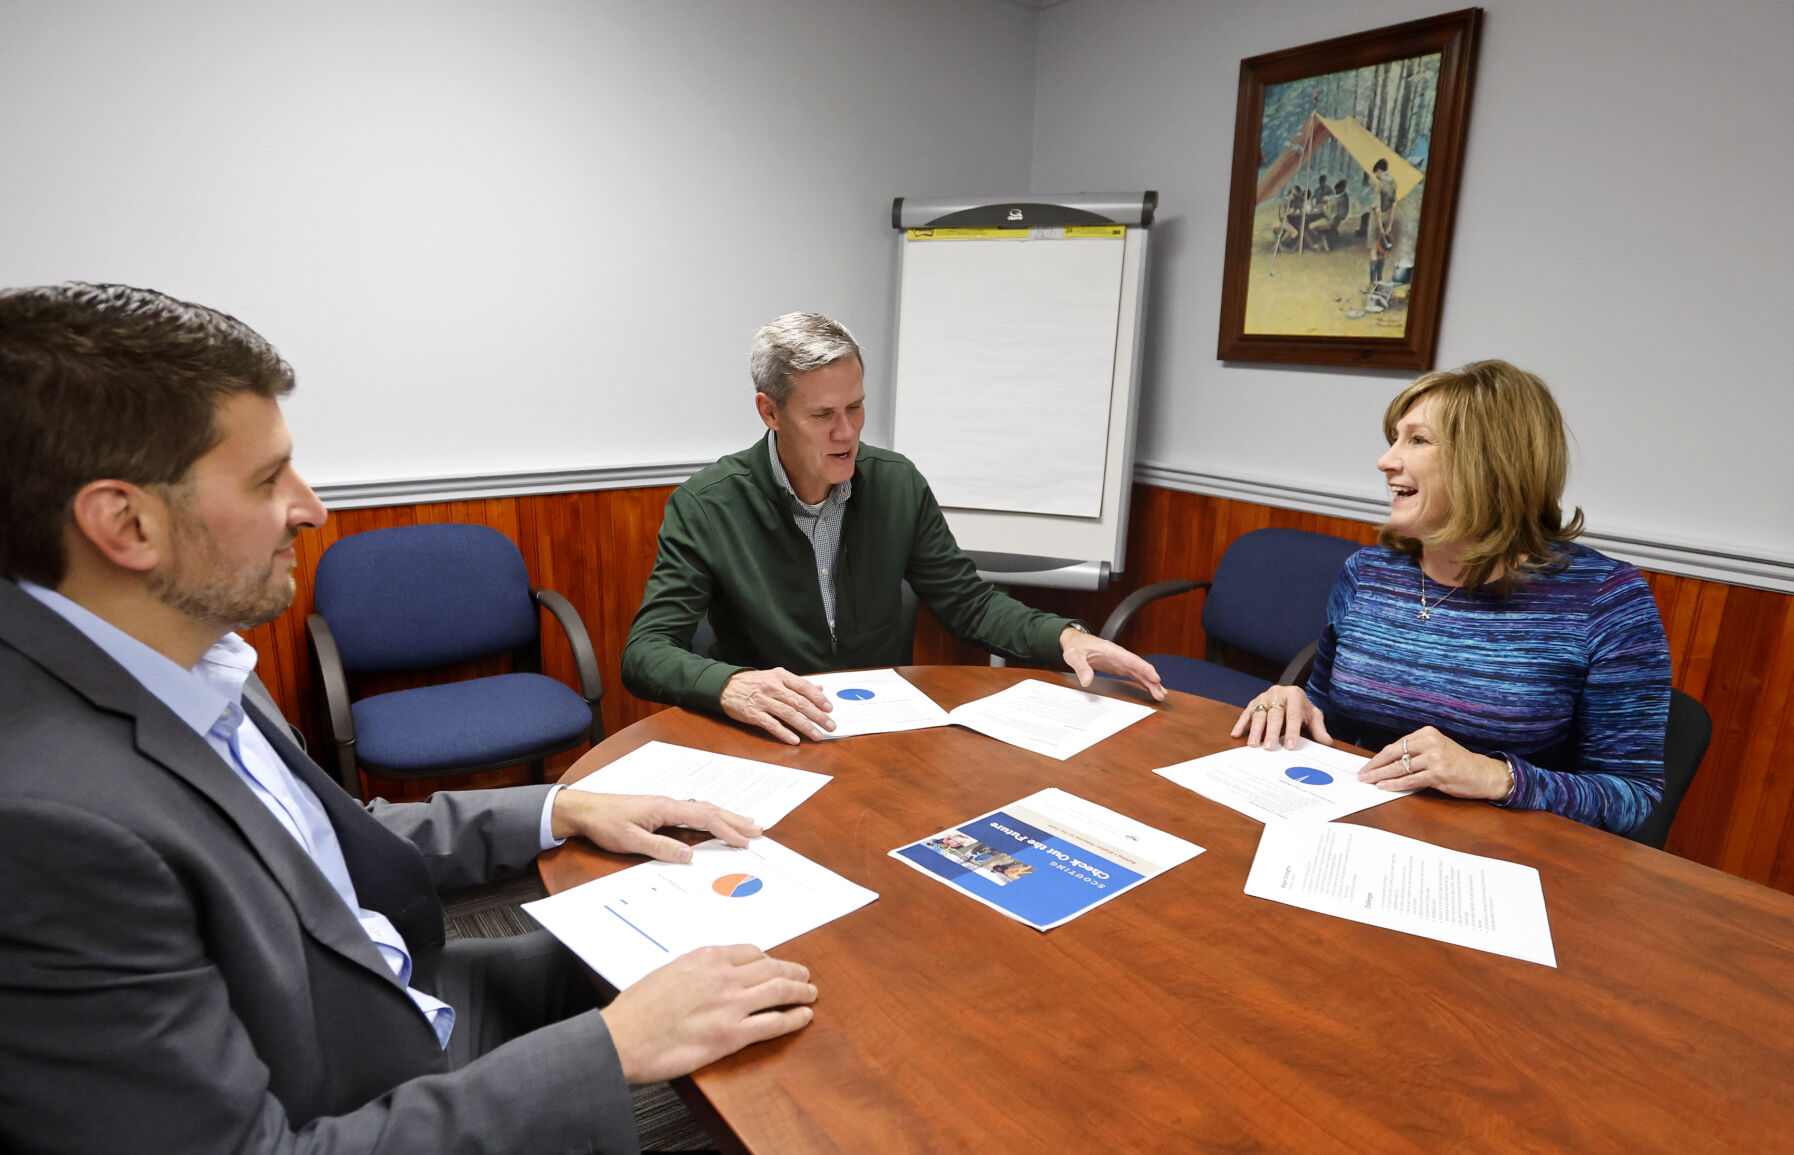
1346,161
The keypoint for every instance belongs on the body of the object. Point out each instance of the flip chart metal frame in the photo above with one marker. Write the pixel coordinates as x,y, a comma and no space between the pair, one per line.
1044,549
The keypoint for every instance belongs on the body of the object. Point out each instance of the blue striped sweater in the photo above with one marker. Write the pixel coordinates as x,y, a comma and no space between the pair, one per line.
1567,676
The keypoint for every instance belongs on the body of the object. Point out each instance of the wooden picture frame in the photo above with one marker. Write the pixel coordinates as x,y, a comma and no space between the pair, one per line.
1364,260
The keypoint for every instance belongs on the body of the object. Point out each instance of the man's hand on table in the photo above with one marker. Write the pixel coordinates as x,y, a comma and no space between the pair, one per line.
1086,653
626,823
778,701
704,1005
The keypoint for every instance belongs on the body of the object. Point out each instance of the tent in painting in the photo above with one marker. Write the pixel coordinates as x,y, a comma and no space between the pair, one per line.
1357,140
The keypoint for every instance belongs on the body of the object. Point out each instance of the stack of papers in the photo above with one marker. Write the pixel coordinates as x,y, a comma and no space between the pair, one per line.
1383,879
637,920
1313,783
1048,858
756,790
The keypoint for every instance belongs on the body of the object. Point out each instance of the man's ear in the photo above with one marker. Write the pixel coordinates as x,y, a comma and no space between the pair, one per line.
126,524
769,410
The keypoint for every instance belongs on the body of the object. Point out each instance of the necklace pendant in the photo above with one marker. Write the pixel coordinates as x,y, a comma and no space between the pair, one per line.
1424,614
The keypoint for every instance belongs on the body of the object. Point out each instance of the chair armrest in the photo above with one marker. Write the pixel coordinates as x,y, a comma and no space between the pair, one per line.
585,659
1131,605
338,721
333,683
1300,666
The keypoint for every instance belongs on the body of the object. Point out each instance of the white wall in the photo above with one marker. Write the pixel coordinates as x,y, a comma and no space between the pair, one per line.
503,239
1623,231
497,238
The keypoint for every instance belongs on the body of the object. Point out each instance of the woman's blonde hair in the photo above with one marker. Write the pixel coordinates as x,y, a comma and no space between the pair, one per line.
1505,457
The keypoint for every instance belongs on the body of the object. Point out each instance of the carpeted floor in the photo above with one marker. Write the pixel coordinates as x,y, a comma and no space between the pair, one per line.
491,911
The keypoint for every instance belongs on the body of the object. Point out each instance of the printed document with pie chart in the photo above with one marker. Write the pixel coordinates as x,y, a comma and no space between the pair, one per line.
876,702
637,920
1312,783
1044,717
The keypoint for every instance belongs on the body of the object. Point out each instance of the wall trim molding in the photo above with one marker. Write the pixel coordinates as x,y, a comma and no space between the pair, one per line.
474,487
1686,559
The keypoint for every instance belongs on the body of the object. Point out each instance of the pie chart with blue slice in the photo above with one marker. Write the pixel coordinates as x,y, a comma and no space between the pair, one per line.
855,694
1309,774
737,885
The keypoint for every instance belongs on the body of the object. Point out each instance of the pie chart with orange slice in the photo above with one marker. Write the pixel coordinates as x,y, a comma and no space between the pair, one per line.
737,885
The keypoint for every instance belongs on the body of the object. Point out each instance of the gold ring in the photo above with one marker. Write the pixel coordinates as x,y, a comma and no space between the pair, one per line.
1276,706
1260,708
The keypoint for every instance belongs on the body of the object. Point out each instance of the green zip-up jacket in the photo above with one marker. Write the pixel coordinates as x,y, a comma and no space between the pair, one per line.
729,546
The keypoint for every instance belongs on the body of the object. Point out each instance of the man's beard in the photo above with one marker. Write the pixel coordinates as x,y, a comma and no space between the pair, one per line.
200,583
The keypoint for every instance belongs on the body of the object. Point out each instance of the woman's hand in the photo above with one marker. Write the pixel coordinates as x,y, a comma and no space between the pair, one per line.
1428,758
1276,717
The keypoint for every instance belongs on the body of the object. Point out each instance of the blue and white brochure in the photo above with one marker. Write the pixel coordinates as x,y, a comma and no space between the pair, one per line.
1048,858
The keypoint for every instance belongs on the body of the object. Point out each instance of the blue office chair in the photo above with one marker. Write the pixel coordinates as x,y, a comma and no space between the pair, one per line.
423,597
1268,597
1684,745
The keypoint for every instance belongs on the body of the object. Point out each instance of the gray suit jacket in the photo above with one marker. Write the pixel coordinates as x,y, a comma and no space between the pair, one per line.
176,975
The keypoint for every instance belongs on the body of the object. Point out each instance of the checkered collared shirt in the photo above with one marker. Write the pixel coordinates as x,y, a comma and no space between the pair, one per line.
821,523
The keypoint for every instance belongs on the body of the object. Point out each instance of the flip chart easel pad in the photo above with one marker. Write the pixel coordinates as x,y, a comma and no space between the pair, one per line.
1006,361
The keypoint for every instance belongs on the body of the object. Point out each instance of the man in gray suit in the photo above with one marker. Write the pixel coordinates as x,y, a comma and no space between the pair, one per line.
204,943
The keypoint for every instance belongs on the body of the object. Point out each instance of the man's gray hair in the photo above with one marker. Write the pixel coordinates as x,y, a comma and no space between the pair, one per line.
793,344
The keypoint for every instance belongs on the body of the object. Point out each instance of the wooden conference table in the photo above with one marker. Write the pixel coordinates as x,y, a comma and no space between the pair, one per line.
1186,1016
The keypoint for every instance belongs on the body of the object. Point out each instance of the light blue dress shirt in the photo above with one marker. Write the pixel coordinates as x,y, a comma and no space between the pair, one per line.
821,523
209,698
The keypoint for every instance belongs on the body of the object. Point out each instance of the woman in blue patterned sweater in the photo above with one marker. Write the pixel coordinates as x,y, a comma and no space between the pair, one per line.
1477,648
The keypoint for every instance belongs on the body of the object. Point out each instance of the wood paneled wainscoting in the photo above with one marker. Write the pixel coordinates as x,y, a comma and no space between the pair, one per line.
1730,646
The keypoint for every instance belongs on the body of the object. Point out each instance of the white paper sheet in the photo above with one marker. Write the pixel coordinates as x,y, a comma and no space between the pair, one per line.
1057,721
1005,369
876,702
1313,783
637,920
756,790
1048,858
1383,879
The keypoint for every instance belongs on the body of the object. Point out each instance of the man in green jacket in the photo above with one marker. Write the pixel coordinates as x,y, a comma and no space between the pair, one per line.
798,547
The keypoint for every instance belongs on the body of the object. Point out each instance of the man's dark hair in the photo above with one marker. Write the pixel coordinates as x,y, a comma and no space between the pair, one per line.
107,381
1382,165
